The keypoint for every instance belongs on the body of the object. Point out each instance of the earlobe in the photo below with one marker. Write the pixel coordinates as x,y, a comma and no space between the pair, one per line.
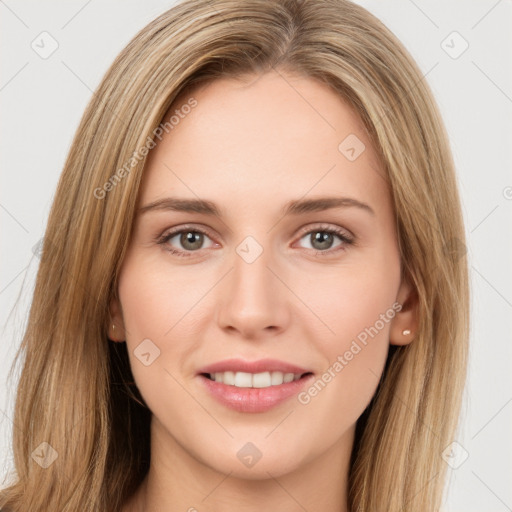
405,323
116,330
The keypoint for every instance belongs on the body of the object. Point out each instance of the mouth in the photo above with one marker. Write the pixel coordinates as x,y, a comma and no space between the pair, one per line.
254,380
247,392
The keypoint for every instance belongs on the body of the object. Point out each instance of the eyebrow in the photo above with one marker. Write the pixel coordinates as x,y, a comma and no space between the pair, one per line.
294,207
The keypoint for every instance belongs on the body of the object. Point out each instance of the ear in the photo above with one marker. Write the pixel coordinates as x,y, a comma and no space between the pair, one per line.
116,330
404,325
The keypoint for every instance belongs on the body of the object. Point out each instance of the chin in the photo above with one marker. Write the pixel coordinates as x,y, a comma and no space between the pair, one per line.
249,462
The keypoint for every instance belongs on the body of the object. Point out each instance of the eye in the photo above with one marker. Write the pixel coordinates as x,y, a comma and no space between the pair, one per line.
185,241
190,240
323,239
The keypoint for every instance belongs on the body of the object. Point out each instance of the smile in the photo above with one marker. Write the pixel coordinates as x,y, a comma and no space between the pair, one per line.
254,387
253,380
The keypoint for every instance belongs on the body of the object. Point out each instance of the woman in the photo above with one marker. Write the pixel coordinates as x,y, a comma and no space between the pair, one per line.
193,343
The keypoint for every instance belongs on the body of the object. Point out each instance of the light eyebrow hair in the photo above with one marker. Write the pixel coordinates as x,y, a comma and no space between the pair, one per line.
324,203
294,207
182,205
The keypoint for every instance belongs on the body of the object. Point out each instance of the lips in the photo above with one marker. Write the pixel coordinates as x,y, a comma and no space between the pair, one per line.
262,365
253,386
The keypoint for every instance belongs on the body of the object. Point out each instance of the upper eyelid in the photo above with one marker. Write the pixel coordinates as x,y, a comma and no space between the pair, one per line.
173,232
326,227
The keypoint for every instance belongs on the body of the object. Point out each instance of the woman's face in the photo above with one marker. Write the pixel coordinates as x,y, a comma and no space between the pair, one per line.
265,235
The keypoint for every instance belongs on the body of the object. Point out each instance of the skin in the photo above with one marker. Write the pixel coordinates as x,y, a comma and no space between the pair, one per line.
251,146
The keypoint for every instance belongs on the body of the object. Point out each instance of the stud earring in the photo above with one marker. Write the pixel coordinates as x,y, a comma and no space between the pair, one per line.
406,332
113,327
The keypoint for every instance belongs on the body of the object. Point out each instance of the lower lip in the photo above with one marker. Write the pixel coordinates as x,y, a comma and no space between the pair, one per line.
254,399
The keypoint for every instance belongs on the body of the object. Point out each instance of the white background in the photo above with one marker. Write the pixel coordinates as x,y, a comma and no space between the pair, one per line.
42,101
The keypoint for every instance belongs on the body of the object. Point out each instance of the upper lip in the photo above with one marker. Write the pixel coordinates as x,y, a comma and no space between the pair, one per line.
259,366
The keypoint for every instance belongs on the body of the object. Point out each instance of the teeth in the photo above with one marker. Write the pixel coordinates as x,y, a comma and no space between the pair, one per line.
254,380
226,377
243,380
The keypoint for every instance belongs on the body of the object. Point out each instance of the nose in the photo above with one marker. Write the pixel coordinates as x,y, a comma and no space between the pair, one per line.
254,300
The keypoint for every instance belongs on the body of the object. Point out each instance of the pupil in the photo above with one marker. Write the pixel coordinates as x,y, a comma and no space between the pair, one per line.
190,238
323,238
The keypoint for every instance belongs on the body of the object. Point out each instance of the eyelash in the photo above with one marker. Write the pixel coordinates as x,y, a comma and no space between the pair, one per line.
341,234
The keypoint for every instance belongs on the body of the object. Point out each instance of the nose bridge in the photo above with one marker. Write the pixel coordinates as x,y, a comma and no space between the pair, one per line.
255,300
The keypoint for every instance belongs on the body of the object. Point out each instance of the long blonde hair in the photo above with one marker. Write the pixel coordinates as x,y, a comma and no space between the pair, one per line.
76,390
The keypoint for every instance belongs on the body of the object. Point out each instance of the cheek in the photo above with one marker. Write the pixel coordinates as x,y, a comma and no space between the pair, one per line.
152,300
349,299
355,358
150,307
357,306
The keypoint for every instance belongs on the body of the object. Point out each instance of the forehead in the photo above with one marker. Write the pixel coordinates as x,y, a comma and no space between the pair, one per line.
272,135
